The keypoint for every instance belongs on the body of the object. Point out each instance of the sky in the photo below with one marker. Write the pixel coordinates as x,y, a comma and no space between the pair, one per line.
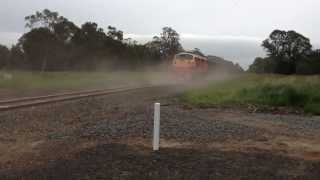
232,29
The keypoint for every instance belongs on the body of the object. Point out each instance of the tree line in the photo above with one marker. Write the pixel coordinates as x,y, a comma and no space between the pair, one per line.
288,52
55,43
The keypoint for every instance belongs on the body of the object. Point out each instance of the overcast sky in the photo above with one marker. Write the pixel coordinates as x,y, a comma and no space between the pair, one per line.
224,21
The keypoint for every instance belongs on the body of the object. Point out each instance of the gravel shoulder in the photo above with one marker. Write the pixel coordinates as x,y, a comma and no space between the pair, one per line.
109,137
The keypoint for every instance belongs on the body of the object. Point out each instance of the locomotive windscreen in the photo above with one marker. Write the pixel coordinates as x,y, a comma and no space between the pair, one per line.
184,56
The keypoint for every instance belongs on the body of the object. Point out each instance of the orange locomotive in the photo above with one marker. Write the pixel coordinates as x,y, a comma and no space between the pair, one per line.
188,65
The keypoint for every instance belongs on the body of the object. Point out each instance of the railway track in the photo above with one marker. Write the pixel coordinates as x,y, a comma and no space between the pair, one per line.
16,103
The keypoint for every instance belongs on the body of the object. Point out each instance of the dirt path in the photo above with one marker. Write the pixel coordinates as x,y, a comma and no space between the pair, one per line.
110,138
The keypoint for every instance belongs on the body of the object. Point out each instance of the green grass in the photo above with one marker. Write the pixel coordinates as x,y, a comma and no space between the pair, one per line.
300,92
26,82
23,80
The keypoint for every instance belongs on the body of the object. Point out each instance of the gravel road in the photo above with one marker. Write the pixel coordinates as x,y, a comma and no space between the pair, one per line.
109,137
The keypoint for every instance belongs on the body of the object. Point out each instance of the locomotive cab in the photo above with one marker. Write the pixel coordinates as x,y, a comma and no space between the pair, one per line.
187,65
183,60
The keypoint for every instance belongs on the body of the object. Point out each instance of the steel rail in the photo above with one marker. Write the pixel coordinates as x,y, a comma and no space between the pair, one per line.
42,100
22,99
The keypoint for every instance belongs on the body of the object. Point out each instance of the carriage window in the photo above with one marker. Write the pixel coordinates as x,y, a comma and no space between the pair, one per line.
184,56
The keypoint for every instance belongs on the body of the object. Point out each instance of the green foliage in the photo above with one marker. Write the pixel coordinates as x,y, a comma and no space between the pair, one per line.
288,53
115,34
46,19
4,55
56,44
263,65
287,44
300,92
307,65
16,58
40,46
168,44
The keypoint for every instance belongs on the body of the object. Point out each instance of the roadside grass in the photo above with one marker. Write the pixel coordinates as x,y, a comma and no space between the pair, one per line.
25,82
262,91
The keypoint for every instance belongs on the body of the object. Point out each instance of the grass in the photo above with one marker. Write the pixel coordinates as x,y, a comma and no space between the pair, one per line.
298,92
301,92
26,82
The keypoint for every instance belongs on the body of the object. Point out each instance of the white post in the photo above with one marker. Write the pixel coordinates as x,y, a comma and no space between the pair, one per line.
156,127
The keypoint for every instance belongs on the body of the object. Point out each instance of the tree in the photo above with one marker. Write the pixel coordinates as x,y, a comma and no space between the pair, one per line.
114,33
288,47
17,58
130,42
59,25
65,30
168,44
315,53
41,48
46,19
155,45
4,55
90,36
310,64
55,43
258,66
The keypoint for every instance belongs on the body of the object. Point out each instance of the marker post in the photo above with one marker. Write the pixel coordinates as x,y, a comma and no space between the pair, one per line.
156,127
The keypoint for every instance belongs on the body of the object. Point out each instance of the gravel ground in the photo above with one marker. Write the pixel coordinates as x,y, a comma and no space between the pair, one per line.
109,138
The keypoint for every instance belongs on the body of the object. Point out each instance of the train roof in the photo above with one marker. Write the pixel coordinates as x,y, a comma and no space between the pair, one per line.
193,54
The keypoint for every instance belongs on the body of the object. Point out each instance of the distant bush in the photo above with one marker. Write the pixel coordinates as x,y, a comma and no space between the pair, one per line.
308,65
